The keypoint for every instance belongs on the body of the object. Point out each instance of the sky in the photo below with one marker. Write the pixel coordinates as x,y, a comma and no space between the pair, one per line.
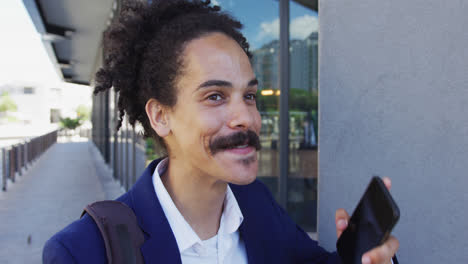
261,19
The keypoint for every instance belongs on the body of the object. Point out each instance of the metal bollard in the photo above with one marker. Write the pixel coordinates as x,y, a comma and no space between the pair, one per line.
26,162
23,157
20,159
4,169
12,164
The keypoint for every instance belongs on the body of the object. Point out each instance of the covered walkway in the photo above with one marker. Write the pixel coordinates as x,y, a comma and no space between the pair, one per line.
51,194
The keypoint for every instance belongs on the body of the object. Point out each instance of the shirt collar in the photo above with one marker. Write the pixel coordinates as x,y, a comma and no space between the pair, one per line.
183,233
231,218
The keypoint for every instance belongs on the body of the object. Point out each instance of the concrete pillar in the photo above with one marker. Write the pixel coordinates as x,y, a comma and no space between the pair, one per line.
394,102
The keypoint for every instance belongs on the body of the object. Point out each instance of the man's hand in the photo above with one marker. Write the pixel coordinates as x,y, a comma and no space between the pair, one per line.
379,255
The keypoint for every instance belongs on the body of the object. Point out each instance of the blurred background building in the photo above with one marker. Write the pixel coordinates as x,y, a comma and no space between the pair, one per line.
39,104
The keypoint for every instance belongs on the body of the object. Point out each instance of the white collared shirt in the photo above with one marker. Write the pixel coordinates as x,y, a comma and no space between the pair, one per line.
224,248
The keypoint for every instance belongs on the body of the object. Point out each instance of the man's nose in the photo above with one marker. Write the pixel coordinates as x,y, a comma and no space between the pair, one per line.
241,116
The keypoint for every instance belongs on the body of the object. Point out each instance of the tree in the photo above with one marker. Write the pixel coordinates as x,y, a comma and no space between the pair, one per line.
83,112
70,123
299,100
302,100
7,104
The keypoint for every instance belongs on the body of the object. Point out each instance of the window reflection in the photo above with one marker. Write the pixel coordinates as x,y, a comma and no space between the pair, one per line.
261,28
261,21
303,110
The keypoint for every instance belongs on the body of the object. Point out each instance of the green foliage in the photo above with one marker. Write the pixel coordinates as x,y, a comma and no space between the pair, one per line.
150,147
267,103
153,150
83,112
11,119
7,104
302,100
299,100
70,123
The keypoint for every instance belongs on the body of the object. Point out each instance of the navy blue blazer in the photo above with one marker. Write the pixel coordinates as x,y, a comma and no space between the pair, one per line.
269,234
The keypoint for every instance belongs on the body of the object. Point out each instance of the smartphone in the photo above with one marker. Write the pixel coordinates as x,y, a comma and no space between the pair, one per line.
370,224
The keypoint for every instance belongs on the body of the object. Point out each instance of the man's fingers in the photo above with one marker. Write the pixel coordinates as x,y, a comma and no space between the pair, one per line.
387,182
383,253
341,221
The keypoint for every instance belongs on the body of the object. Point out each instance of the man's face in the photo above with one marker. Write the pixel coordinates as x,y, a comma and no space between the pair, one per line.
215,122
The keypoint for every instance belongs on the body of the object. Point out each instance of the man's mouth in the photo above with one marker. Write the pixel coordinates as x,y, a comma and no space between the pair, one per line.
241,146
240,150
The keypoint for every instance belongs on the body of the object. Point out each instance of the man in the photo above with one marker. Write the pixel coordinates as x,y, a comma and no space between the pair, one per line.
182,70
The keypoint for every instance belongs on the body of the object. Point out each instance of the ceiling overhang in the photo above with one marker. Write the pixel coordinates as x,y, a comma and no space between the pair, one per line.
71,32
312,4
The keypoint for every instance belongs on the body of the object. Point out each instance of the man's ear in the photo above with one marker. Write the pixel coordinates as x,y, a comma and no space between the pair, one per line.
158,117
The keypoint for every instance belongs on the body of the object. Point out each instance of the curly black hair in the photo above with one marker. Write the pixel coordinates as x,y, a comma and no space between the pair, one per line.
142,52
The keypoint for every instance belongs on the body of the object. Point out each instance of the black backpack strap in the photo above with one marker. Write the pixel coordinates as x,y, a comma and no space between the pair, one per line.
119,229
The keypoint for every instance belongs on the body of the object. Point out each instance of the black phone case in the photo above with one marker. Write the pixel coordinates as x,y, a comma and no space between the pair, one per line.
364,230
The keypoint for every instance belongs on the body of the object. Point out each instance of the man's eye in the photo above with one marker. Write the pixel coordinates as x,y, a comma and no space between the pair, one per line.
250,97
215,97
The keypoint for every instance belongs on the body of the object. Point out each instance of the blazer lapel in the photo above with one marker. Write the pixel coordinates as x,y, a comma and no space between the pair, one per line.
160,243
251,247
249,230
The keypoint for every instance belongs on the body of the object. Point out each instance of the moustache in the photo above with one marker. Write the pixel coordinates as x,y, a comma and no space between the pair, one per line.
248,137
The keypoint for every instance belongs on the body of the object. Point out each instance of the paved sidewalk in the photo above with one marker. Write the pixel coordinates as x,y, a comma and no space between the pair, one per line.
50,195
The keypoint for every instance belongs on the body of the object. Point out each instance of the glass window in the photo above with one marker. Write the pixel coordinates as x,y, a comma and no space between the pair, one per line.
303,109
261,28
28,90
55,115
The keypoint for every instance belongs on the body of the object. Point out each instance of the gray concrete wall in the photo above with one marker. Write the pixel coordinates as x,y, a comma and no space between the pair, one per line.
394,102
